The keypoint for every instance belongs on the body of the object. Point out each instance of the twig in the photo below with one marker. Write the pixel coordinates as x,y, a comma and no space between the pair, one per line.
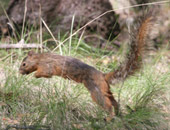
26,46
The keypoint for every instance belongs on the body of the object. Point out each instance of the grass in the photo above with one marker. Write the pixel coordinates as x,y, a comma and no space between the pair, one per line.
62,104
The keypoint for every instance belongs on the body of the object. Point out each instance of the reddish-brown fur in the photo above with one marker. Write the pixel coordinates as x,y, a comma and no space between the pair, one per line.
49,64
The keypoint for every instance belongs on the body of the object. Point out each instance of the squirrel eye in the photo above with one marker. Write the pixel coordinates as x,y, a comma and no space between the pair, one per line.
23,64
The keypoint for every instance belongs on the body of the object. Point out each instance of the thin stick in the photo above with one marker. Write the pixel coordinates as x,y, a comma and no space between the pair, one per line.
109,11
18,46
23,25
53,36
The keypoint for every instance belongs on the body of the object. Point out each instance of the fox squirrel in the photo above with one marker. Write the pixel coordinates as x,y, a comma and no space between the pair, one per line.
49,64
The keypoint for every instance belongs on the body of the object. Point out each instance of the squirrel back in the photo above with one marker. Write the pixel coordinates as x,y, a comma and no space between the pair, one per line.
139,42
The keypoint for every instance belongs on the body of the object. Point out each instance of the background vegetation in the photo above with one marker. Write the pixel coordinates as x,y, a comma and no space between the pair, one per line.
58,104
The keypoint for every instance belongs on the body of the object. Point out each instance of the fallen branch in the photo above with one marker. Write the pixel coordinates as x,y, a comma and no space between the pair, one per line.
22,46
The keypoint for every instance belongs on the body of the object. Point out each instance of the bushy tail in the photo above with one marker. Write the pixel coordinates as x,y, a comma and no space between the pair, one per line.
139,42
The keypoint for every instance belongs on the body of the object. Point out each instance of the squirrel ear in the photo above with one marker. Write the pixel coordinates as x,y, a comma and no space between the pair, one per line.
30,53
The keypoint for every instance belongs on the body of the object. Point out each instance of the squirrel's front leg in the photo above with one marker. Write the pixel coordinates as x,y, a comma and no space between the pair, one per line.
42,72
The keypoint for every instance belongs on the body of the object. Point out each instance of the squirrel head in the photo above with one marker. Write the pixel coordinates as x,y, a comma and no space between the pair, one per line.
29,63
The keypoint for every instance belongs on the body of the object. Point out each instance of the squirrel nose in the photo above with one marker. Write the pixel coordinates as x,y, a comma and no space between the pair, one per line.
21,71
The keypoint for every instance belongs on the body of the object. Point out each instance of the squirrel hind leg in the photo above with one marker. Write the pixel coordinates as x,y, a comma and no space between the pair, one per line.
102,95
107,102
